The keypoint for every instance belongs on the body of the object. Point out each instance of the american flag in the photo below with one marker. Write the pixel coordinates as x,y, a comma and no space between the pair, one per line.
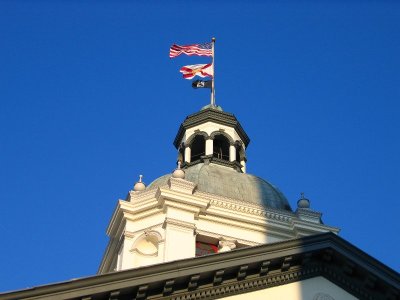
195,49
201,70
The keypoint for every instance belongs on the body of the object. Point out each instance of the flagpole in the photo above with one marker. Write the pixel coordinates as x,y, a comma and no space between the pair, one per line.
213,78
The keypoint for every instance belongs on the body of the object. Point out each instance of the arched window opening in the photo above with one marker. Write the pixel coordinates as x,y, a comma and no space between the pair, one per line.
205,248
221,147
206,245
198,148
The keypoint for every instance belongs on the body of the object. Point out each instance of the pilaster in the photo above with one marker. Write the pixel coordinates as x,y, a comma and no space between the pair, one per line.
180,239
232,153
188,153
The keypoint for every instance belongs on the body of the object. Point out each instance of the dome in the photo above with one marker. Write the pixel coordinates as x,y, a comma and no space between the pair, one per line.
226,182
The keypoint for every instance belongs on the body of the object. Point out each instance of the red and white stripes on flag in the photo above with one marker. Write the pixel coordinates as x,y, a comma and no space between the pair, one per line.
201,70
195,49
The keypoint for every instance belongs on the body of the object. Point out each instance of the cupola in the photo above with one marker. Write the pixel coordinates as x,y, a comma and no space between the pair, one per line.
212,136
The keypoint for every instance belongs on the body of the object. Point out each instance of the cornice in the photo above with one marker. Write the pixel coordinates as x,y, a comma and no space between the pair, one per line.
270,216
181,185
302,227
179,223
181,198
138,197
283,231
129,211
241,286
142,214
247,208
136,210
243,207
238,271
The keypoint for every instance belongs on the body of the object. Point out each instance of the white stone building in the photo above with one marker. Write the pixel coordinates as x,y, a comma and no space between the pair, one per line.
210,230
209,205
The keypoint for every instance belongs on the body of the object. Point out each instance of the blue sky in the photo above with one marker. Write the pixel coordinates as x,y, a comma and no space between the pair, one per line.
89,99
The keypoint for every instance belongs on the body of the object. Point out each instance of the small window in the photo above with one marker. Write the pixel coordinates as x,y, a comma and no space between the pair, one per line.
221,147
205,248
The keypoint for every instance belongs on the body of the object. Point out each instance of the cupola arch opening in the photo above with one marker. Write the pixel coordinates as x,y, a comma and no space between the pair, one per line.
197,147
221,146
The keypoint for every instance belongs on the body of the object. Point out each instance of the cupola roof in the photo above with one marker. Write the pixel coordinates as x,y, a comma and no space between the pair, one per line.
211,114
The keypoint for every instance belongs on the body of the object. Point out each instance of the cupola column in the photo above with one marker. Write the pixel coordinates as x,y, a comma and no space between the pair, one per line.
232,152
209,146
243,163
188,153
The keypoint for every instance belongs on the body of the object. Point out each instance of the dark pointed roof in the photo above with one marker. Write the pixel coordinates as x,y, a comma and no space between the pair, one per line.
211,114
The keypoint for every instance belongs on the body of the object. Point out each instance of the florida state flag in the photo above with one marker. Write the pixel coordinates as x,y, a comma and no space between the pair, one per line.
202,70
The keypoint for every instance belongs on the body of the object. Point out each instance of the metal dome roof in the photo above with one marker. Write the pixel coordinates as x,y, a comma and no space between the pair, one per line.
226,182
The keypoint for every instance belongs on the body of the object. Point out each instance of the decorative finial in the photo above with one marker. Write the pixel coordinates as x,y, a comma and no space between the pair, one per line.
139,186
213,39
178,172
303,202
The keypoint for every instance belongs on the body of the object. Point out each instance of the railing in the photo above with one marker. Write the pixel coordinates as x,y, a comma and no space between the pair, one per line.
197,156
221,156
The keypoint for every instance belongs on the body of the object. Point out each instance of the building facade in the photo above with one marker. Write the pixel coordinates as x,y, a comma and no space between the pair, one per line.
209,204
210,230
